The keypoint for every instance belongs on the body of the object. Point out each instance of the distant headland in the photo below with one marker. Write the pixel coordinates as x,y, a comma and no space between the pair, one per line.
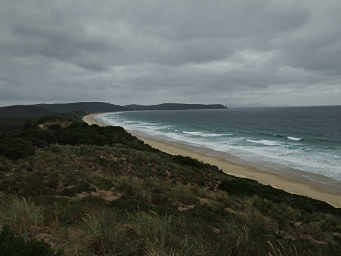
93,107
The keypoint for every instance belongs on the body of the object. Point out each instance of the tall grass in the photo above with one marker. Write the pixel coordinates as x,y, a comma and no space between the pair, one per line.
21,214
107,234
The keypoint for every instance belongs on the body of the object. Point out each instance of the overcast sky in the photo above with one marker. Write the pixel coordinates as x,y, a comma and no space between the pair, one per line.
151,51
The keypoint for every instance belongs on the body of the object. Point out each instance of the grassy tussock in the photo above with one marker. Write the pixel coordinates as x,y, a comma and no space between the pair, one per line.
22,215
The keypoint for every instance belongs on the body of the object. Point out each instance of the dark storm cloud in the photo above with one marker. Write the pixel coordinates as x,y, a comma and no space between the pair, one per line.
240,52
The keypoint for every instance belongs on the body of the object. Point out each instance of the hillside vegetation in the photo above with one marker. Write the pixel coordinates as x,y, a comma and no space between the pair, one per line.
67,188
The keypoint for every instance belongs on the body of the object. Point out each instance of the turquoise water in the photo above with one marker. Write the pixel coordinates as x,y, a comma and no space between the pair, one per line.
303,138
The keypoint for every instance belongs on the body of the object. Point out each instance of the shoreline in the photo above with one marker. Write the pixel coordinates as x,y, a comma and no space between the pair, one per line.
284,181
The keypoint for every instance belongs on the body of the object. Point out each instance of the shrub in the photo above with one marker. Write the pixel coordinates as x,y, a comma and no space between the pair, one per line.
187,161
15,148
246,188
13,245
240,187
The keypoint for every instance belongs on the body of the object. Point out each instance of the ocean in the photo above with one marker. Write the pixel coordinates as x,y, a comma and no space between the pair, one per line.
301,138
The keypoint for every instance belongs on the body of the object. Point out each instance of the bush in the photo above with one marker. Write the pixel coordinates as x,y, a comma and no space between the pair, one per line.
240,187
12,245
15,148
187,161
245,188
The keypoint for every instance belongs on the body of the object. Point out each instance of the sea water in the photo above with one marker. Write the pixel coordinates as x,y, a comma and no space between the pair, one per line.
302,138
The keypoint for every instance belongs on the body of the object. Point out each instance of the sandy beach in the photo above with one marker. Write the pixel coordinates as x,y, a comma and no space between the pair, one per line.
282,181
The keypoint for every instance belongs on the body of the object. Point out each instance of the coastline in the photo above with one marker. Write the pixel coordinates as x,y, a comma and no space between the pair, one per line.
284,181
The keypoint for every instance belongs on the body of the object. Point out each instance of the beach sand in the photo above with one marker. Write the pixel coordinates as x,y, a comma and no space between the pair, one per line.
281,180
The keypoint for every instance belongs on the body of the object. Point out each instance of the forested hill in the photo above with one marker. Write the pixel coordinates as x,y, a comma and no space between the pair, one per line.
93,107
174,106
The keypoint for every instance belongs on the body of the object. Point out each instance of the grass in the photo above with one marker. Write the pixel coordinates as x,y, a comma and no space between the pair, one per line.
21,214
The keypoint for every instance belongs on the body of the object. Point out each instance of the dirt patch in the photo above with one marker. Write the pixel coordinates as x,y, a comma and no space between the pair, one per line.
104,194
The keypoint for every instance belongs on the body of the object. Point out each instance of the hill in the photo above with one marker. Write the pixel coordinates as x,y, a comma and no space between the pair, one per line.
89,190
13,117
174,106
23,112
92,107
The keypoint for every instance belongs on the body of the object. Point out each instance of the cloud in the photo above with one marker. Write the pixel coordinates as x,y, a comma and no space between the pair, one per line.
267,51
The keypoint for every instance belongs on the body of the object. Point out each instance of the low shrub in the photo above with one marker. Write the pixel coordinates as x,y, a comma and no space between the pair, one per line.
187,161
13,245
15,148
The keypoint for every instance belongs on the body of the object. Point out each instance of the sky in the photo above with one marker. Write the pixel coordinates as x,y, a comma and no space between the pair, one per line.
234,52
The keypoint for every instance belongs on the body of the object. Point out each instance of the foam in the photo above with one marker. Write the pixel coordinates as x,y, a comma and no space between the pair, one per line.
273,134
294,138
203,134
265,142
